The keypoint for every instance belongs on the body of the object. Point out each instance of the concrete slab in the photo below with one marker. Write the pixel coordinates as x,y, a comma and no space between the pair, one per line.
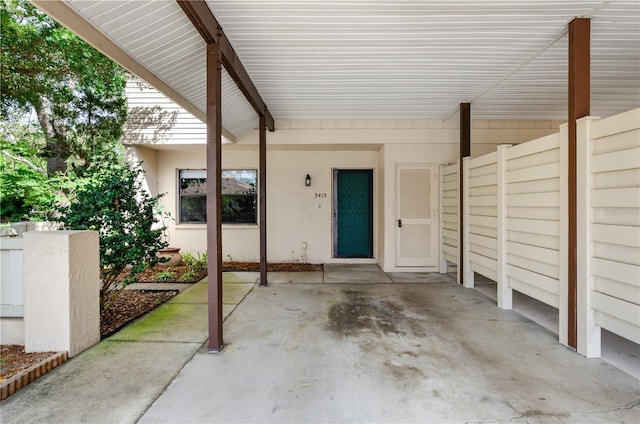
176,323
418,277
112,382
351,268
196,294
240,277
294,277
234,293
361,277
390,353
540,313
618,351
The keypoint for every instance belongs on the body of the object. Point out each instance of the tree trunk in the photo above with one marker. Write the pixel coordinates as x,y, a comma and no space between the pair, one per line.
56,161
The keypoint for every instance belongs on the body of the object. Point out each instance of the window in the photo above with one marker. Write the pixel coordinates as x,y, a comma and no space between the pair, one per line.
238,196
193,196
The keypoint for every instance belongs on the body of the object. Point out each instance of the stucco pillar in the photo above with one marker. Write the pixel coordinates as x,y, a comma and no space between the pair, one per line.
61,291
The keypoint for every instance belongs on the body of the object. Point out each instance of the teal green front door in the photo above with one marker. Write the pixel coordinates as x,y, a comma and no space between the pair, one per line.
353,213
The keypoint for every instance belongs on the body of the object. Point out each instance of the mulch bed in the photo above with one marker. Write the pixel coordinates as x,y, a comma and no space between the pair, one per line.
129,305
275,267
179,273
174,274
13,360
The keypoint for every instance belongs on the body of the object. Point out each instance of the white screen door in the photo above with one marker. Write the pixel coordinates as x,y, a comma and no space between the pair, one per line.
415,216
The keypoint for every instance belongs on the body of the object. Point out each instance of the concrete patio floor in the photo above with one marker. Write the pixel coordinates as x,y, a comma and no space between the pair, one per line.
419,348
390,353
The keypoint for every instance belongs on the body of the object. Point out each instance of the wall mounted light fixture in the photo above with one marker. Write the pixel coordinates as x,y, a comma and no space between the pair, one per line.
307,181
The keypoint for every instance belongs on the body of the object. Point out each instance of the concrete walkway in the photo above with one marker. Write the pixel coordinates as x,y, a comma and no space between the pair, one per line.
118,379
413,348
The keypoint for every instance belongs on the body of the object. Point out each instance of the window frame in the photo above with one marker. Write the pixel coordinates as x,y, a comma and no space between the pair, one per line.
179,198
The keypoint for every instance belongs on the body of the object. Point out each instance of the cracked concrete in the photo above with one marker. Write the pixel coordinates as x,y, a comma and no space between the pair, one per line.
391,353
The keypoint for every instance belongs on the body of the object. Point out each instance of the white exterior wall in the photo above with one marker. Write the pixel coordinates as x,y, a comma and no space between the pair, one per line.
298,148
167,138
149,159
408,154
62,291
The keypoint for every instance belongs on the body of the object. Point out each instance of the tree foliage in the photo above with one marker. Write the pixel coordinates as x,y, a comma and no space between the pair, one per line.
75,91
112,201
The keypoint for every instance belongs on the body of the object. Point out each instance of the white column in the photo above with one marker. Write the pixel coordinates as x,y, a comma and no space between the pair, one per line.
469,277
61,291
563,251
588,332
505,293
459,212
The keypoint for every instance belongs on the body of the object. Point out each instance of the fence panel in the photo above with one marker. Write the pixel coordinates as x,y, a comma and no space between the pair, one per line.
450,224
11,278
533,218
609,261
481,213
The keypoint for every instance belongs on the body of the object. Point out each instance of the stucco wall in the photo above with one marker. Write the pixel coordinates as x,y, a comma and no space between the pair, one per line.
298,148
148,157
61,287
296,214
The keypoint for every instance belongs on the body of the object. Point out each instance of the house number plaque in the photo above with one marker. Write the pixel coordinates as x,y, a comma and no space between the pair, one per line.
321,195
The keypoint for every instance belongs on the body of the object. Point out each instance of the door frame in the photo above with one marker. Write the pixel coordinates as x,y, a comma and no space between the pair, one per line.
334,213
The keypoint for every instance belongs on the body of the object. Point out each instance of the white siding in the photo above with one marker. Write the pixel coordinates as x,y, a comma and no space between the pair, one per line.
154,119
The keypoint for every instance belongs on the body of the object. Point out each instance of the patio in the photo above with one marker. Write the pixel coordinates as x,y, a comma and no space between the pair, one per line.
412,348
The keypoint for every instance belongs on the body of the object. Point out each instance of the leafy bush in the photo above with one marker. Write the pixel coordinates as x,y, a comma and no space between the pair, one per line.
196,262
188,276
189,260
201,261
112,201
165,276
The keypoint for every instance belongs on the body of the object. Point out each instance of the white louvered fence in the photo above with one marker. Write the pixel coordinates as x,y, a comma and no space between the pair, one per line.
516,225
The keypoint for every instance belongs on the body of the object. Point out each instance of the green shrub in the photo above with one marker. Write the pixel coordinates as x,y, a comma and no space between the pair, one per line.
188,276
112,202
201,261
165,276
197,262
189,260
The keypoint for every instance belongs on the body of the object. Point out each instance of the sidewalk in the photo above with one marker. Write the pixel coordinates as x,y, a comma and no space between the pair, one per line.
116,380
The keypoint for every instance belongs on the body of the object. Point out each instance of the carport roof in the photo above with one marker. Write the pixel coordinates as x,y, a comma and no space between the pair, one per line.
375,59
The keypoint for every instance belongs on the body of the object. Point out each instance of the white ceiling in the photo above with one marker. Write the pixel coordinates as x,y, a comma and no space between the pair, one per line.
404,59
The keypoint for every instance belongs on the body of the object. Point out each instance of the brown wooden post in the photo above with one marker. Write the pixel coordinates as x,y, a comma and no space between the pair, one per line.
207,25
214,195
465,151
579,107
262,189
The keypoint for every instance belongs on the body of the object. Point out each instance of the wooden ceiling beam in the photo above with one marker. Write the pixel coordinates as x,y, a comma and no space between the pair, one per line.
207,25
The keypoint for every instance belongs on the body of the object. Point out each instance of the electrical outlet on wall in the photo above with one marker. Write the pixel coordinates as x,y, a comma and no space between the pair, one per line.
304,244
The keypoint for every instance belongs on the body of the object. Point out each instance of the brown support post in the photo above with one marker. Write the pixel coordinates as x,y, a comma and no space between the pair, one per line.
579,107
465,151
214,195
262,188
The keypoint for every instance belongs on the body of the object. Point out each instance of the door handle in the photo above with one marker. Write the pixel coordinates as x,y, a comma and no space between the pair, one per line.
399,223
